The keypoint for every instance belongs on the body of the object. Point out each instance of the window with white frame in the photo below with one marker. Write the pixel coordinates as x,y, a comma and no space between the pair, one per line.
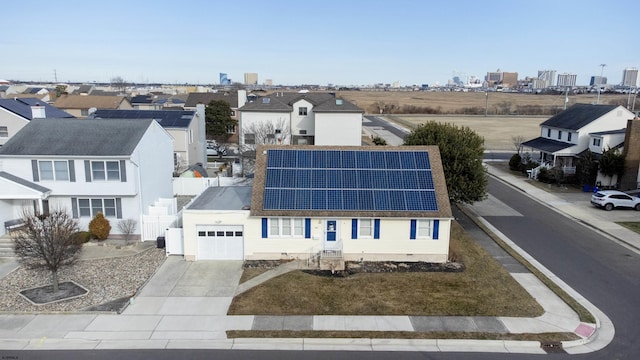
559,135
423,229
548,132
231,129
54,170
286,227
302,111
90,207
568,136
365,228
250,139
4,131
105,170
596,142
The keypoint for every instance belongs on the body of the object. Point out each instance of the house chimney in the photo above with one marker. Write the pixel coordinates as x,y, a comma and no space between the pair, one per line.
38,112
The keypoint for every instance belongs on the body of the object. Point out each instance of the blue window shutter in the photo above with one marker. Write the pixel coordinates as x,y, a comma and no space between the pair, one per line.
87,170
34,170
265,228
412,234
118,208
376,228
436,229
74,208
307,228
123,171
354,228
72,171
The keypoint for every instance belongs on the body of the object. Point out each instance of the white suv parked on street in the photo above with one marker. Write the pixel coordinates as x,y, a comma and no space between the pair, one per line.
611,199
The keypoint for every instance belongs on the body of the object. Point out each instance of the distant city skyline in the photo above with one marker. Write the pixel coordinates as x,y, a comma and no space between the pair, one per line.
291,42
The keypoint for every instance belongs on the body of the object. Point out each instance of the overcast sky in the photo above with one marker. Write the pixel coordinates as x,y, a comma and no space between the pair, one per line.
346,42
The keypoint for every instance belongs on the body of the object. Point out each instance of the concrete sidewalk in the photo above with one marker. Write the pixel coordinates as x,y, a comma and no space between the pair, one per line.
185,304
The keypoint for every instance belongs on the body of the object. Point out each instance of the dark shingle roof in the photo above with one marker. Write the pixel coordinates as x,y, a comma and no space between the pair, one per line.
166,118
23,182
22,107
77,137
610,132
283,102
141,99
205,98
546,145
578,116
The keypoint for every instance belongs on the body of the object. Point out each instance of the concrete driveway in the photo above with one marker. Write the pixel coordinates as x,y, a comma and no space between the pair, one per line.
188,288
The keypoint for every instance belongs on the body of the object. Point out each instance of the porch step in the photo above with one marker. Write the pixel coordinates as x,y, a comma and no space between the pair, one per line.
6,247
335,264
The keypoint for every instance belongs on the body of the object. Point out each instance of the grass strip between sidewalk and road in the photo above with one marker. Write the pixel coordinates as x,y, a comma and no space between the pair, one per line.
544,337
583,313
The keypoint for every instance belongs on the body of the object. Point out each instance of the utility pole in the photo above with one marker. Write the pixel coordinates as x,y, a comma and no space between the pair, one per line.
601,72
55,75
486,103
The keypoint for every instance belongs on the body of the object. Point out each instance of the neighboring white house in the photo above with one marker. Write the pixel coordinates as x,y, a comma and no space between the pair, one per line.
117,167
300,119
16,113
338,203
565,136
186,127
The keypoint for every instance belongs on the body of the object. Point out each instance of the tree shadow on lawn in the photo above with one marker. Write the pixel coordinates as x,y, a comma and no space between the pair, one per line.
45,295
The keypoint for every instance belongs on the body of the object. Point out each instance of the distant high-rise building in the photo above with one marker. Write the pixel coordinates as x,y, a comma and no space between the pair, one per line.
268,82
224,80
598,80
509,79
251,78
567,80
493,77
630,77
548,77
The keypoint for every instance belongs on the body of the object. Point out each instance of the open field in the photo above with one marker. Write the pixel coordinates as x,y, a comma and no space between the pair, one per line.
498,131
449,102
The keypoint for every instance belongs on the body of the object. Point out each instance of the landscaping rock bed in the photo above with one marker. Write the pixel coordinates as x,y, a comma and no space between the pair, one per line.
263,264
355,267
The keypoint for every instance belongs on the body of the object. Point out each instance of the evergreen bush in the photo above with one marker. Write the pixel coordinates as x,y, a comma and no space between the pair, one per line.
99,227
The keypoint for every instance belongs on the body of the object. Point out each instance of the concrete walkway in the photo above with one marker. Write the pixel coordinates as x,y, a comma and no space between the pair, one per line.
185,304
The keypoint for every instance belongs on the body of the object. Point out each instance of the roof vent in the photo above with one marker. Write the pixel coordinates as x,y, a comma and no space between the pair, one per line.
338,101
266,100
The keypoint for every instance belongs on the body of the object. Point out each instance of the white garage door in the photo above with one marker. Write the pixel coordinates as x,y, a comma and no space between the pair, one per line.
220,242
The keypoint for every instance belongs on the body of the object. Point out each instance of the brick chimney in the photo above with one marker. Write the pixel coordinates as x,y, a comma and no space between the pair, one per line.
631,154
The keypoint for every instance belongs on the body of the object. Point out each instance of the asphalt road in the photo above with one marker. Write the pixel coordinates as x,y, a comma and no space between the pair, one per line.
605,273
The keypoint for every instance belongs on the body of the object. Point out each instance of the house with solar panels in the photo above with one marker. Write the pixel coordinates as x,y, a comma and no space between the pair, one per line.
301,119
335,203
186,127
18,112
117,167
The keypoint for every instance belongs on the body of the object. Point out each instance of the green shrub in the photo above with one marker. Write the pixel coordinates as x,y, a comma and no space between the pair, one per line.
515,162
99,227
82,237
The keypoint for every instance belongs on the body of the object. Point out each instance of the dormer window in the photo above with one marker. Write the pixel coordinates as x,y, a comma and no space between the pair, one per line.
549,133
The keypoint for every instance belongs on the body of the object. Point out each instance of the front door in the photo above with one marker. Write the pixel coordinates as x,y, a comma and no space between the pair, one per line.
330,234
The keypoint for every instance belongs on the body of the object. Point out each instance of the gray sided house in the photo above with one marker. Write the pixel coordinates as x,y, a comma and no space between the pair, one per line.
16,113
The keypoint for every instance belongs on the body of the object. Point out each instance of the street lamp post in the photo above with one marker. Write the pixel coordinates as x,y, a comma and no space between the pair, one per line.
486,103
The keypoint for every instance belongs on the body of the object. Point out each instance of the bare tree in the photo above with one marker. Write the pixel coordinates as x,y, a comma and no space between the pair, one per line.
517,143
119,83
127,227
47,241
258,133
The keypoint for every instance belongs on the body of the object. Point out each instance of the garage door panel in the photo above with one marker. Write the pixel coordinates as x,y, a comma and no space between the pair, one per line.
222,242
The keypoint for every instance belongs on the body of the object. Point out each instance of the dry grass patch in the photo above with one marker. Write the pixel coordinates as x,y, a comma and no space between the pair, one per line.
485,288
250,273
635,226
544,337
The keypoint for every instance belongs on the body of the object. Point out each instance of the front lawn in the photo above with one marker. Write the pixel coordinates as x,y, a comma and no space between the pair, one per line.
485,288
631,225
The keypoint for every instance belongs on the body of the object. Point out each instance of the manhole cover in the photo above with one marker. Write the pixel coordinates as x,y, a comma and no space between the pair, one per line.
552,347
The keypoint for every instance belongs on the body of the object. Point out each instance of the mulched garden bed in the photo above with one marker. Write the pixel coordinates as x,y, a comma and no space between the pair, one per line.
45,294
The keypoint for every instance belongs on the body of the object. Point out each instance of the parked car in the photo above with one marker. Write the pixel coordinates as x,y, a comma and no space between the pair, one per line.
611,199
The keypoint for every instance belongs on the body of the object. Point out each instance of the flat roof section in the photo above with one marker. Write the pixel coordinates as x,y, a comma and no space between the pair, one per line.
222,198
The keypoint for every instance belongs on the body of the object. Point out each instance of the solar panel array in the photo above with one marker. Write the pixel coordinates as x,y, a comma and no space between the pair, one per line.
351,180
